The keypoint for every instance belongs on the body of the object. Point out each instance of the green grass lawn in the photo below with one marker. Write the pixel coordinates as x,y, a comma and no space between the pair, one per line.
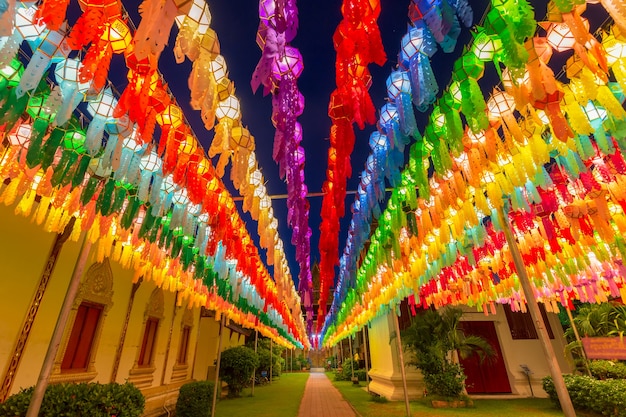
281,398
362,402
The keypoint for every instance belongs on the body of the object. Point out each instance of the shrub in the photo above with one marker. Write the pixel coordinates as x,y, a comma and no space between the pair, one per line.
607,370
345,374
98,400
606,397
236,368
195,399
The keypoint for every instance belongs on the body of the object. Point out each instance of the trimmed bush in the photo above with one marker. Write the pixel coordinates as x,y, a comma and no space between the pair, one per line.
237,365
606,397
68,400
607,370
195,399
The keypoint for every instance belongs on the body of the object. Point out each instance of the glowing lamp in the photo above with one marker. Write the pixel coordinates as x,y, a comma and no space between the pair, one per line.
209,44
377,141
150,162
12,72
398,82
118,35
256,178
265,202
75,140
241,137
219,68
488,177
168,185
188,145
25,25
171,116
485,47
228,108
388,114
418,40
199,13
594,113
37,107
615,49
20,136
103,106
180,196
500,103
289,63
560,37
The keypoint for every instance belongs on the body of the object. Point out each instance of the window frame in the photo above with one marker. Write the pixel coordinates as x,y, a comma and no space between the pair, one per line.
150,333
77,343
521,324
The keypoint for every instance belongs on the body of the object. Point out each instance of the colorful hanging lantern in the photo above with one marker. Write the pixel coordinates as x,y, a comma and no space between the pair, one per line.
100,109
20,135
49,47
560,37
72,90
118,35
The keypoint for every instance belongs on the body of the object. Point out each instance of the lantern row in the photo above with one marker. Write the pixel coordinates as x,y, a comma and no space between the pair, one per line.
432,24
101,110
278,70
417,169
211,92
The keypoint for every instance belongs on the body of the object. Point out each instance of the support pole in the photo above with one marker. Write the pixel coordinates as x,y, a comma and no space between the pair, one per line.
582,348
291,364
217,366
271,358
256,341
120,345
351,357
533,308
169,339
59,329
367,365
402,370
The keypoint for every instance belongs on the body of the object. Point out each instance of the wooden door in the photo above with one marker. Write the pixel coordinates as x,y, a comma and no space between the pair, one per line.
488,376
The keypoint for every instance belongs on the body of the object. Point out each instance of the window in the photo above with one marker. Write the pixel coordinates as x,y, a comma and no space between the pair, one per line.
521,324
148,342
80,343
183,348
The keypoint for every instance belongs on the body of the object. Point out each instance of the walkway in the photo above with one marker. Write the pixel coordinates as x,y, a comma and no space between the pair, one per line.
321,399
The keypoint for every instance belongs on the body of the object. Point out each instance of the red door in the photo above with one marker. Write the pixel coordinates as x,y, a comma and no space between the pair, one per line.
488,376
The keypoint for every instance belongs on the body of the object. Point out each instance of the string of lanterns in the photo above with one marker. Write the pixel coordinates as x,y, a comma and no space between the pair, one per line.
172,210
550,154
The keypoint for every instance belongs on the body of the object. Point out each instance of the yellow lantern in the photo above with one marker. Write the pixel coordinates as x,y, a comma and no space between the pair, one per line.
118,35
172,115
228,108
560,37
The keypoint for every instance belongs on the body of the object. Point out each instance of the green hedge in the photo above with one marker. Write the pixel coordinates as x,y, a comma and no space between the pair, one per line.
195,399
70,400
607,370
606,397
346,371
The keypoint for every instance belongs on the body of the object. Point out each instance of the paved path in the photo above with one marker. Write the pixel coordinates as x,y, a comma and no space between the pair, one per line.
321,399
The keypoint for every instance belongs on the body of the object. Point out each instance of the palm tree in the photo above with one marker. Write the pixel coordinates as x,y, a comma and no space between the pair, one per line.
437,341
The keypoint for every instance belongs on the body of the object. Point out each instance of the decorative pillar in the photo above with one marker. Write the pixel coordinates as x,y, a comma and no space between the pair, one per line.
385,374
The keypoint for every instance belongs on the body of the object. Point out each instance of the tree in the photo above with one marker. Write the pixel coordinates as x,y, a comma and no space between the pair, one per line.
435,339
236,368
263,350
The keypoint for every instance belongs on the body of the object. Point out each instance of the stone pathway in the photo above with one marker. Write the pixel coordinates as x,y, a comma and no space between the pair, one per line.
321,399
